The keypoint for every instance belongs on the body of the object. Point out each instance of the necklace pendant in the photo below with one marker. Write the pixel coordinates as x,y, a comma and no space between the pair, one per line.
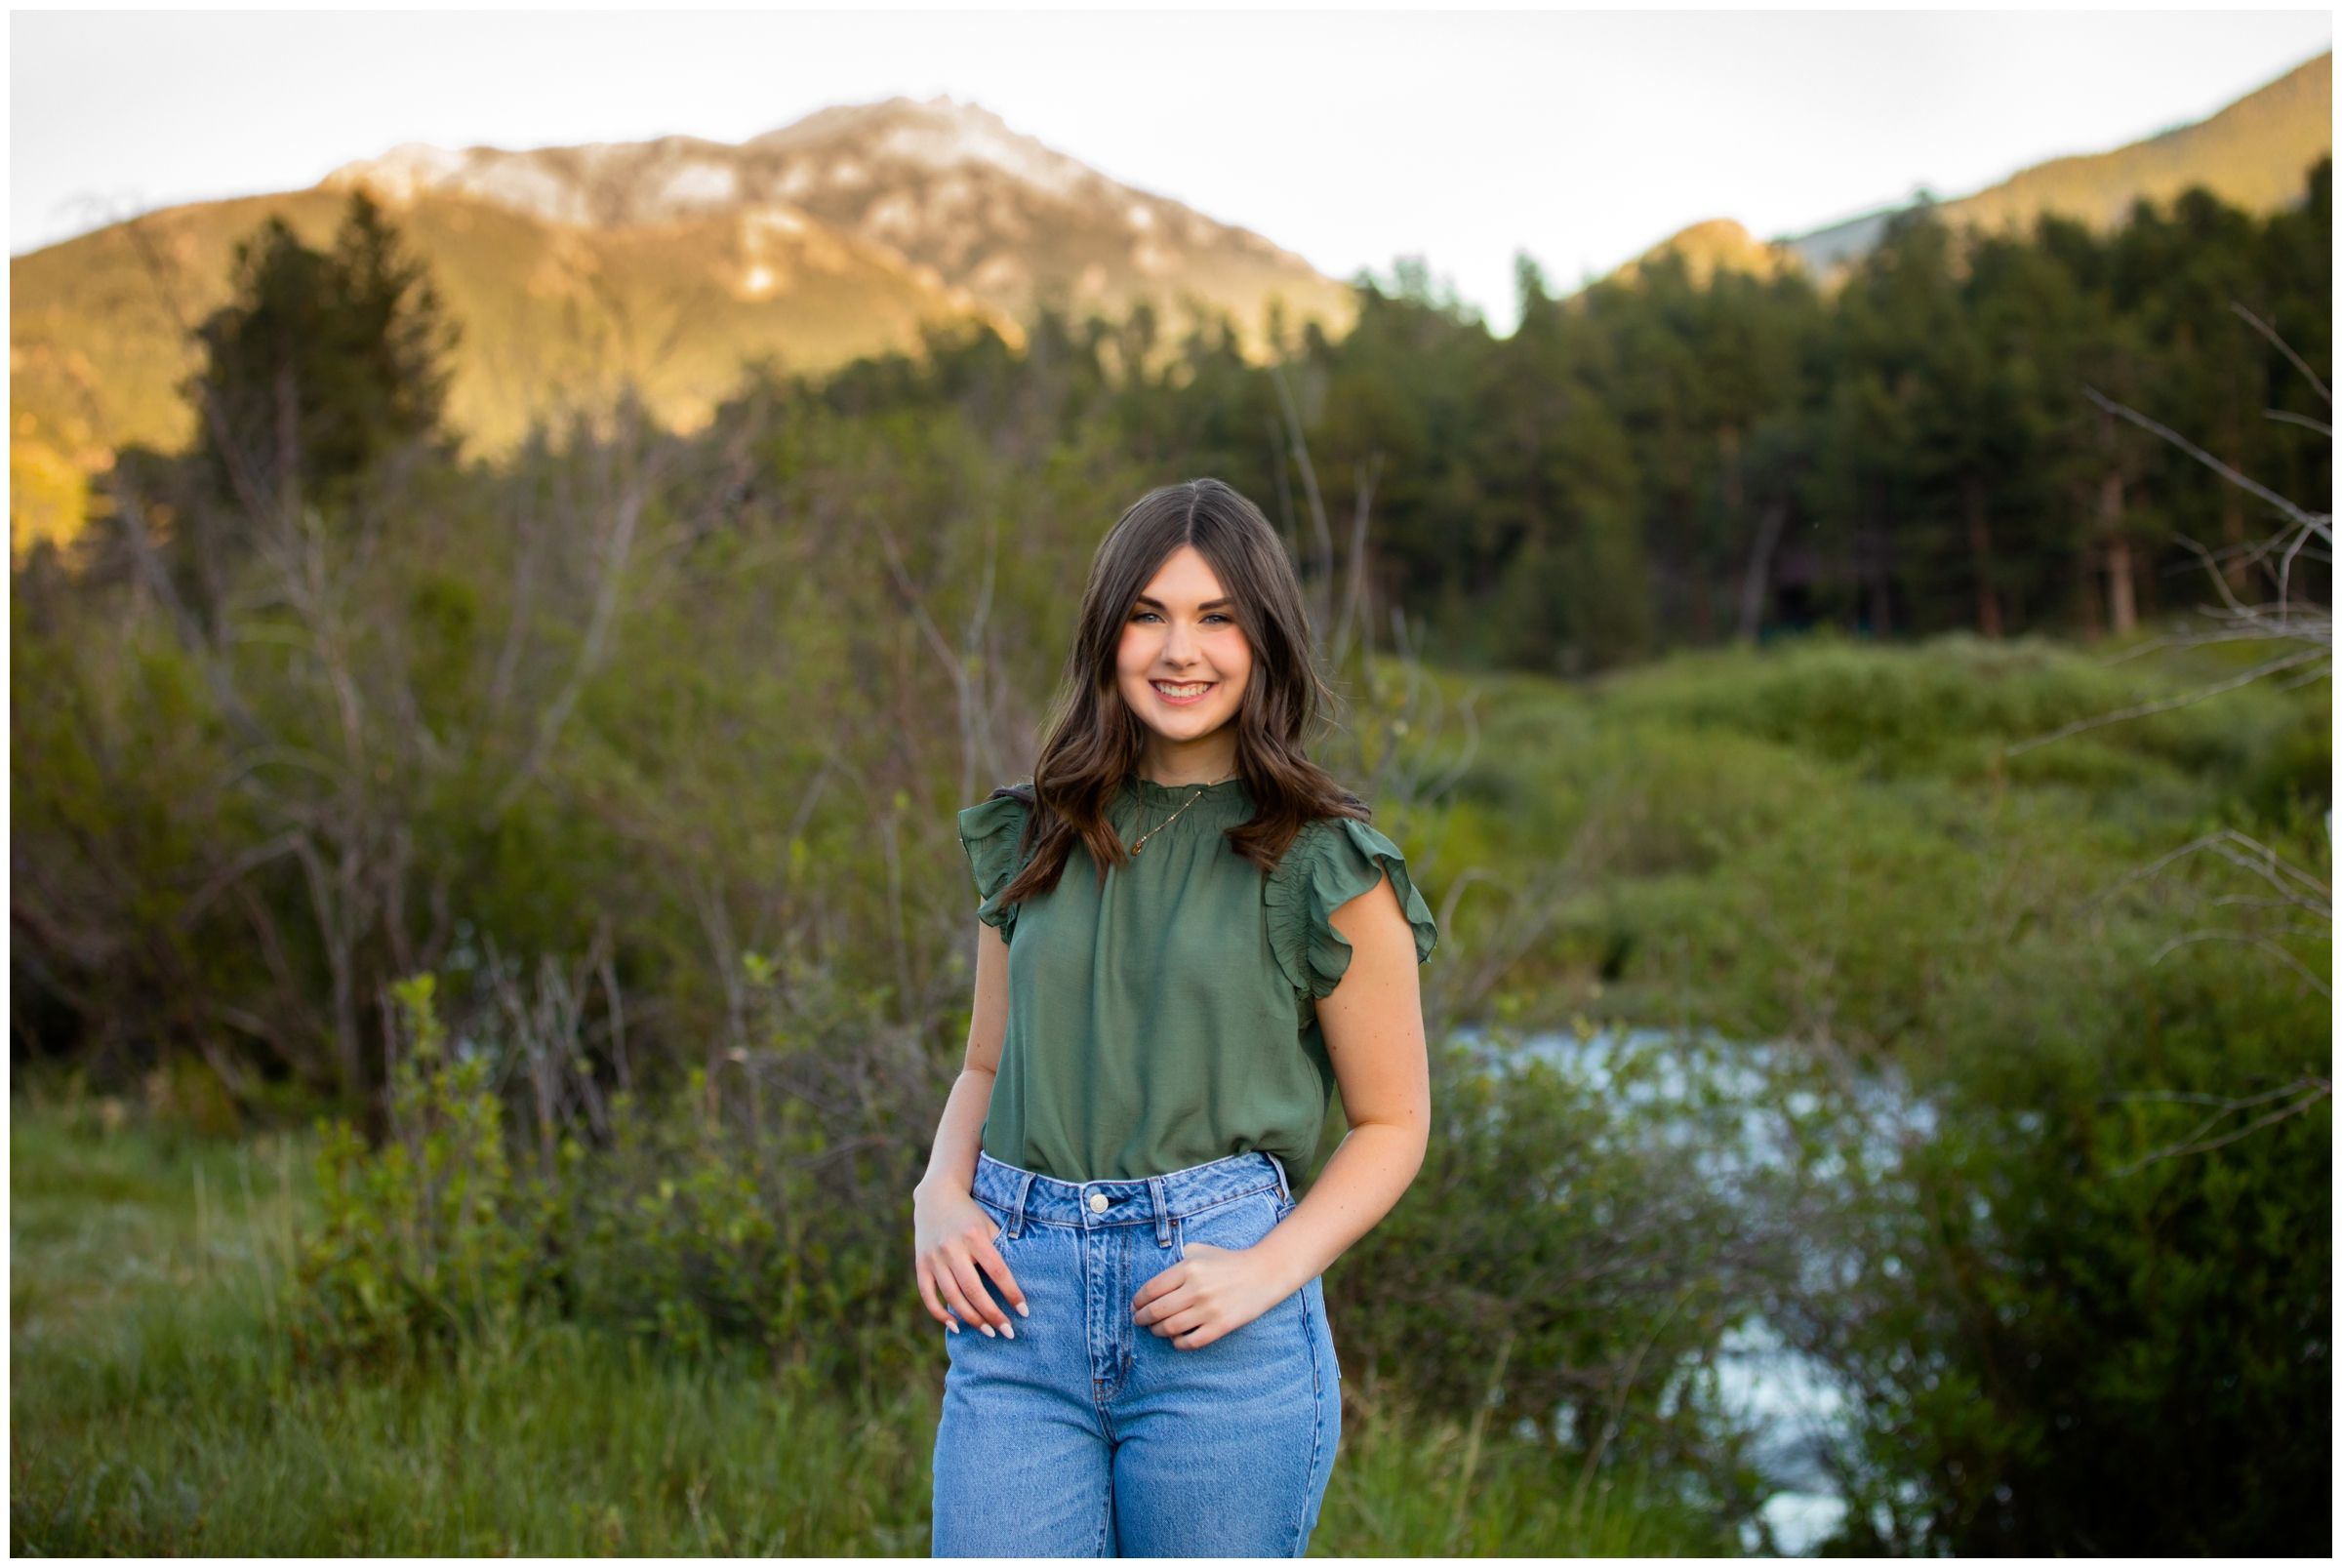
1168,821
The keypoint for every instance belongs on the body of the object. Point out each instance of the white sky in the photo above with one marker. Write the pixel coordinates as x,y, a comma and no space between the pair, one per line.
1353,137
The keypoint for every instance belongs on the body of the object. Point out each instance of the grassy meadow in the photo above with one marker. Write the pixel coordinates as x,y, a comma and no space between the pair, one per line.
158,1408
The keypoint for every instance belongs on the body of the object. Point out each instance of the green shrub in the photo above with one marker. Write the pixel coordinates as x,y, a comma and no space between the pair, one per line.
425,1235
692,1220
1568,1261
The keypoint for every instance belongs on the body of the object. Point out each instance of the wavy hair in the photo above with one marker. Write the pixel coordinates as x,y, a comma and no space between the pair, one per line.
1094,741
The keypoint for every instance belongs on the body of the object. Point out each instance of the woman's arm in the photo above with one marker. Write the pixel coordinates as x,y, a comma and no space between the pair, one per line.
951,1234
1373,1024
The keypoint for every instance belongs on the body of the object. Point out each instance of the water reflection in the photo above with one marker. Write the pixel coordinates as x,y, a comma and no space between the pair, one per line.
1731,1109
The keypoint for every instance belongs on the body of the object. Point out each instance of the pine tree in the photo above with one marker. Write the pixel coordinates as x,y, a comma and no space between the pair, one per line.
322,362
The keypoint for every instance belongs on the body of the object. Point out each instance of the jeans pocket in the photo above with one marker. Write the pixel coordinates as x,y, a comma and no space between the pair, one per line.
1232,1226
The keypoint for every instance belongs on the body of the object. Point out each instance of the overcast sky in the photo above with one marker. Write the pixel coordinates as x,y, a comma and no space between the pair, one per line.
1353,137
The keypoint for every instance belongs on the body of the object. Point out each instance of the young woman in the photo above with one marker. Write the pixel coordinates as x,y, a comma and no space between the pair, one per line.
1187,930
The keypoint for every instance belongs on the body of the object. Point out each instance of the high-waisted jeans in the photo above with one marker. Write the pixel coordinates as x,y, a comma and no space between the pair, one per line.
1088,1436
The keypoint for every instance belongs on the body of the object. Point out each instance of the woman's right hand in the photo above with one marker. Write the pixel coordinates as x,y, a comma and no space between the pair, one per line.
951,1241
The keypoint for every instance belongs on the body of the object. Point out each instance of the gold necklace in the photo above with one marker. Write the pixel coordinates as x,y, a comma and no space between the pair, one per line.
1175,815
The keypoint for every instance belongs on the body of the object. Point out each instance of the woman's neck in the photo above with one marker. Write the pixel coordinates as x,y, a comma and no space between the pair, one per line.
1207,759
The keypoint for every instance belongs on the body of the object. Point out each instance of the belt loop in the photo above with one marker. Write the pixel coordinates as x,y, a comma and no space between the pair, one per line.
1284,1190
1162,1210
1016,1210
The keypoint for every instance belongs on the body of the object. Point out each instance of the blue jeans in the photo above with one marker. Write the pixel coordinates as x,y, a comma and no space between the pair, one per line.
1086,1435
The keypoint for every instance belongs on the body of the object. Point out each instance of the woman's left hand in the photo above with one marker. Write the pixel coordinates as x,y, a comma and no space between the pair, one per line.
1215,1292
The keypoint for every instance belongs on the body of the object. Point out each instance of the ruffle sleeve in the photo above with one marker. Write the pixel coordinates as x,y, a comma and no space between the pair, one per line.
993,836
1333,861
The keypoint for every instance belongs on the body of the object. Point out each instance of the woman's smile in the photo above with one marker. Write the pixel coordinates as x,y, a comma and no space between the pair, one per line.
1182,665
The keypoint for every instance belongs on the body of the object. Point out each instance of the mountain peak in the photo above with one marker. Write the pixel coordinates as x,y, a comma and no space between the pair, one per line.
658,267
946,185
940,135
1717,245
2253,154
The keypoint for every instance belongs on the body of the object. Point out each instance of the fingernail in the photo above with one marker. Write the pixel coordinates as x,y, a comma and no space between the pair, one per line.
1023,1310
986,1330
951,1328
1010,1332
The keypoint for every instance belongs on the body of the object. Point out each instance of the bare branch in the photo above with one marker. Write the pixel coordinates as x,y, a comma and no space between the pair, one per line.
2259,858
974,734
2282,348
2321,522
2210,560
1300,447
617,550
1354,608
2166,705
2249,940
234,871
2184,1097
2195,1142
2295,889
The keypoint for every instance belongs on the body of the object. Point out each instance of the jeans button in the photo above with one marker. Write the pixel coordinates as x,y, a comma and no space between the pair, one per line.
1097,1203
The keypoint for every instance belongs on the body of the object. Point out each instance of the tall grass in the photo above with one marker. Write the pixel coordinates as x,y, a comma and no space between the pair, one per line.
156,1407
1403,1487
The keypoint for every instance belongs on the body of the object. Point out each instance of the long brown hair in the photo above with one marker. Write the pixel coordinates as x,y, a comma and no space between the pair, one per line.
1094,741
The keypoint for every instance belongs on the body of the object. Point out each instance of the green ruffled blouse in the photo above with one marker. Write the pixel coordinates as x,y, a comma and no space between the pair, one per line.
1168,1018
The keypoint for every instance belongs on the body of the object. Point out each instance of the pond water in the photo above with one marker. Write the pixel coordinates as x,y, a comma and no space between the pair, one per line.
1720,1102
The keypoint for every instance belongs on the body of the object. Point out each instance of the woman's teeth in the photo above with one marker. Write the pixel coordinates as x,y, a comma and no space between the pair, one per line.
1183,689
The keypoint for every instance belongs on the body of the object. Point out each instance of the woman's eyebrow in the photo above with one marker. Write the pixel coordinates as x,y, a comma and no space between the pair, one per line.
1157,604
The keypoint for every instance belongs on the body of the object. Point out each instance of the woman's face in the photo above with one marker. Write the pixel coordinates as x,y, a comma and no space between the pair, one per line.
1184,660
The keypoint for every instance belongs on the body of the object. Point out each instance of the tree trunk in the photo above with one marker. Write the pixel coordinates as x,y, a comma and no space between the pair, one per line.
2232,536
1754,587
2122,596
1730,493
1980,546
1874,567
